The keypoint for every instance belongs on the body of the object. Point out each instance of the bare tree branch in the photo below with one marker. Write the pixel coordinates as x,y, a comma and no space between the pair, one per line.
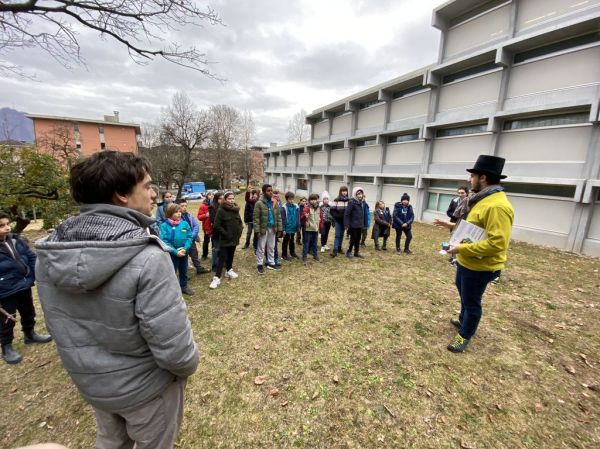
139,25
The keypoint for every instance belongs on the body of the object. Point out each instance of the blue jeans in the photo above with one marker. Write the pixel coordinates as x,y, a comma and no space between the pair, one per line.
181,267
339,236
249,233
471,286
310,243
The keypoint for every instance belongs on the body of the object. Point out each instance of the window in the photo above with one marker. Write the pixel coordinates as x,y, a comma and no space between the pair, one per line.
364,143
76,127
439,201
549,120
461,130
78,146
336,178
400,181
407,91
101,129
338,113
563,191
363,179
302,184
557,46
369,103
337,146
403,138
475,12
468,72
445,183
102,146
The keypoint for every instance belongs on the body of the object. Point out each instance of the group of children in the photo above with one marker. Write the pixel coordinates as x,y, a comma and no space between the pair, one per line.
270,219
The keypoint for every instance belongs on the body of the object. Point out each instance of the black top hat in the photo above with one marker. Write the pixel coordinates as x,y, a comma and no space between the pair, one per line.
488,165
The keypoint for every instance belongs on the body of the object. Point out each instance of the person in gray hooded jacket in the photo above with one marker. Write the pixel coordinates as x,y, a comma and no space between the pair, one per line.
112,302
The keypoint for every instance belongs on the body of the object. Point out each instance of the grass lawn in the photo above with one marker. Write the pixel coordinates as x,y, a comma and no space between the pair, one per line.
352,354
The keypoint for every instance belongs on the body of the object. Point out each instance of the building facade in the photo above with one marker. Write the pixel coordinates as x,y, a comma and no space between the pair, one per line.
518,79
86,135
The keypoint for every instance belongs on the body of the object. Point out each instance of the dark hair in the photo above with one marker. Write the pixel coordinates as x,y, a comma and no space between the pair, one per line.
342,189
289,195
171,209
216,197
265,187
492,179
313,196
5,215
181,201
228,193
97,178
164,193
464,188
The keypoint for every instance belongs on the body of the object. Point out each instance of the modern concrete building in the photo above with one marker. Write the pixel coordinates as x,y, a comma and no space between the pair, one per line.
518,79
86,135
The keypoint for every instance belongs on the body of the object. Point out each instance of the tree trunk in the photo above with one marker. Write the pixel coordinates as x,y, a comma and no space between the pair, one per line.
21,223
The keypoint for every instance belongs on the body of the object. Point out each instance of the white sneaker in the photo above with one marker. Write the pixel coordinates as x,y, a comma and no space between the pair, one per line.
215,282
322,249
326,248
231,274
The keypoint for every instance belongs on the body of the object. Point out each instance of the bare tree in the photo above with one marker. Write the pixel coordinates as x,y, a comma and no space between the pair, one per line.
138,25
59,142
225,138
298,130
6,129
247,140
184,126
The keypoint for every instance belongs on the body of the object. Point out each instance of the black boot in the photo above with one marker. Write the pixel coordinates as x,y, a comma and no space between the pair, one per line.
33,337
10,356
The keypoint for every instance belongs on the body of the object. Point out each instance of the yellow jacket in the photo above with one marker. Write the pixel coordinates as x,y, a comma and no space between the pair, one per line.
495,214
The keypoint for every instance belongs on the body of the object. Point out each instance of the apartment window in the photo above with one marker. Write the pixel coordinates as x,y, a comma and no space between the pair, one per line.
363,179
364,143
78,146
403,138
101,129
557,46
439,201
102,146
337,146
548,120
407,91
302,184
367,104
76,127
338,113
400,181
561,191
461,130
444,184
480,10
336,178
468,72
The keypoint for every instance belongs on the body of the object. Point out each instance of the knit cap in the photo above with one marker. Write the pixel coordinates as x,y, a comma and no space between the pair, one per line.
325,194
405,196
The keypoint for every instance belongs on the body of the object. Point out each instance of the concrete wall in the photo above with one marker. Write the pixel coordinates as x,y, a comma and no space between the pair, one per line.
321,129
341,124
481,89
339,157
534,12
319,159
411,106
368,155
371,117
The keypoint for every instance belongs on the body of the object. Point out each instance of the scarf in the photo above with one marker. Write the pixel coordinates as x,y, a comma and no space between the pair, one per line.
173,222
465,206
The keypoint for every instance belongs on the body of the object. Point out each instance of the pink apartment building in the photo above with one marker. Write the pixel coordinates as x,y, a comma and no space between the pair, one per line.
87,135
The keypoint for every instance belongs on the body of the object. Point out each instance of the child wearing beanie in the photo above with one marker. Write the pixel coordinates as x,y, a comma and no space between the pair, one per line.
326,220
403,218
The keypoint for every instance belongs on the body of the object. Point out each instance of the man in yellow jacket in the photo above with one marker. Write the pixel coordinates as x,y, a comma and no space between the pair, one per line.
480,262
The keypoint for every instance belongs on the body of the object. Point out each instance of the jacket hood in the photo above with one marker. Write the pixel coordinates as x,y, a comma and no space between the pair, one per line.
355,191
230,208
87,250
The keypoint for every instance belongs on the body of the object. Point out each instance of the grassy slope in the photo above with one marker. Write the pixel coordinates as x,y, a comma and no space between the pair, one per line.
354,356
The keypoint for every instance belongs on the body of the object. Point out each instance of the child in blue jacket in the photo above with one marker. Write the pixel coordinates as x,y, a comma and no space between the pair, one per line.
402,222
290,216
178,236
367,224
17,275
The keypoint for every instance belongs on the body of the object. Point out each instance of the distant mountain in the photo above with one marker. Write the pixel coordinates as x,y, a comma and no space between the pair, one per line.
15,126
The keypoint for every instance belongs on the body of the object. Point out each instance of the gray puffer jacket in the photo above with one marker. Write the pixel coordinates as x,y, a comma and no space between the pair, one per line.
112,302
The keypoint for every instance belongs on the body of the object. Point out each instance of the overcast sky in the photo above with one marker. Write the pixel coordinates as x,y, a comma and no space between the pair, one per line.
276,57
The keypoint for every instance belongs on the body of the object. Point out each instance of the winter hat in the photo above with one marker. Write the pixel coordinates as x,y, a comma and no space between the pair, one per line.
405,196
355,190
325,194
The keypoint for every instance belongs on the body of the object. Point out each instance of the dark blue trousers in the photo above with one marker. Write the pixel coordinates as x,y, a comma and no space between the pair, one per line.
471,286
181,267
310,244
